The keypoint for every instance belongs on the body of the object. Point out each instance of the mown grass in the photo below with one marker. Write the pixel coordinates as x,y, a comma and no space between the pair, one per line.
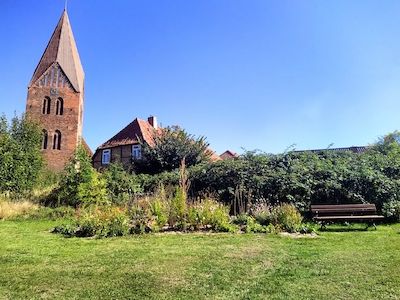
35,264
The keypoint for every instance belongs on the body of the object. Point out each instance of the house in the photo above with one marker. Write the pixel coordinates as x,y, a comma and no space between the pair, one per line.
125,145
56,97
229,155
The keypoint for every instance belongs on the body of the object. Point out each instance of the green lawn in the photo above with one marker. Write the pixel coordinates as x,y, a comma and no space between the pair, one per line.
36,264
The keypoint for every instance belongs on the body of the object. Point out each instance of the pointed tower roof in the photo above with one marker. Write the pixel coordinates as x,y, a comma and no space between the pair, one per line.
62,50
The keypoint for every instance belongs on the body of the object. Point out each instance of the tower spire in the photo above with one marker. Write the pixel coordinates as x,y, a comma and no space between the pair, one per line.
62,50
66,5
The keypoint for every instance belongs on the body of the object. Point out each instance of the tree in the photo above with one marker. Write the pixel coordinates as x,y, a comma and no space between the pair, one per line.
169,147
20,157
81,184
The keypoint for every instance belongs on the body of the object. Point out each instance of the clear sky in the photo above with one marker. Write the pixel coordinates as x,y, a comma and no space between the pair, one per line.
256,74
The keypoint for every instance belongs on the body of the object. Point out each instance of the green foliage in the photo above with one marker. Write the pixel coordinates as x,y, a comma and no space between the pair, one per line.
102,221
249,224
209,214
178,208
391,210
159,208
286,217
80,183
20,157
303,178
121,186
171,145
47,213
93,191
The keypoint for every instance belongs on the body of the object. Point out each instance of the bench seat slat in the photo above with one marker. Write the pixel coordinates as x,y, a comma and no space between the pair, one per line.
362,217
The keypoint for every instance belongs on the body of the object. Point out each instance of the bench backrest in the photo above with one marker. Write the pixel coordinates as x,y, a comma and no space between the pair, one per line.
343,209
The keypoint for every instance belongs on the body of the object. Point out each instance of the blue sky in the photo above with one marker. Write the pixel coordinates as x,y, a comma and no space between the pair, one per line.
253,74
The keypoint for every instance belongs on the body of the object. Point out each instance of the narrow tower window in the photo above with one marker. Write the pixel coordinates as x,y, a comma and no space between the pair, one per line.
45,138
60,106
57,140
46,106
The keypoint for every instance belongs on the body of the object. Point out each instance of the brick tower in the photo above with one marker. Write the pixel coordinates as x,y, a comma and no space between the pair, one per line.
55,96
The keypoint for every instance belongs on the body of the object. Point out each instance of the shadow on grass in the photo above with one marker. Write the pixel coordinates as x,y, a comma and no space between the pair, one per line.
348,228
345,229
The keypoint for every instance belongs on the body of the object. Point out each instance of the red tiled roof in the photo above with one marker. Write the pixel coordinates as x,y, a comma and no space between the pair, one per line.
228,154
138,130
213,156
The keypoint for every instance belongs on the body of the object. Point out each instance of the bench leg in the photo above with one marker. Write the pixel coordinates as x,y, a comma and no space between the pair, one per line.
369,224
323,225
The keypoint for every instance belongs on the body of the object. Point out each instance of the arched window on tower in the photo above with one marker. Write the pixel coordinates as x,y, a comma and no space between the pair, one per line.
60,106
57,140
46,106
45,138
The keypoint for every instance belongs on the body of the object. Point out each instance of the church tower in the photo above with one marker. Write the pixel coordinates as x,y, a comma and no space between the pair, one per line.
56,95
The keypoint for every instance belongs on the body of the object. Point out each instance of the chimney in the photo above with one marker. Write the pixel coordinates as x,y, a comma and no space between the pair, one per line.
153,121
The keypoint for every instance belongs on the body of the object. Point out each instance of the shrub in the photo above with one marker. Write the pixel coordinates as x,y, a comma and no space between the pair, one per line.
105,221
249,224
391,210
178,209
159,208
262,213
141,217
121,186
93,190
208,214
286,217
80,182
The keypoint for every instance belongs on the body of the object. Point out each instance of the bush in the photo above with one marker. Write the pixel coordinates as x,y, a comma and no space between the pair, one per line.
141,217
47,213
262,213
209,214
286,217
80,183
121,186
20,157
105,221
177,212
391,210
159,208
249,224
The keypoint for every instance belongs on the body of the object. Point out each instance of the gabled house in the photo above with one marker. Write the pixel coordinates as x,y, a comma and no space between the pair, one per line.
125,145
229,155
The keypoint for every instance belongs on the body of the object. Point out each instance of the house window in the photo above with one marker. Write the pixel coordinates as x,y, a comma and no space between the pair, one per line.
46,106
60,106
45,138
57,140
136,152
105,160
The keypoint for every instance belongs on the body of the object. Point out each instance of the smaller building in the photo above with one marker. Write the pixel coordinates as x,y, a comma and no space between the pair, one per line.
229,155
125,145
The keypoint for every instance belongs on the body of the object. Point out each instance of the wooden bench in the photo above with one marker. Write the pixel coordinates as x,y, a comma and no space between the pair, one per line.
345,213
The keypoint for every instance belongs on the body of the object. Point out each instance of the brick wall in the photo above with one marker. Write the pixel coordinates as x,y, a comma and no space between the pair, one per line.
69,124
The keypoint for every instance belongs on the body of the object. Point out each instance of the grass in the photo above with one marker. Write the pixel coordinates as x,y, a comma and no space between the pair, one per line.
10,209
36,264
